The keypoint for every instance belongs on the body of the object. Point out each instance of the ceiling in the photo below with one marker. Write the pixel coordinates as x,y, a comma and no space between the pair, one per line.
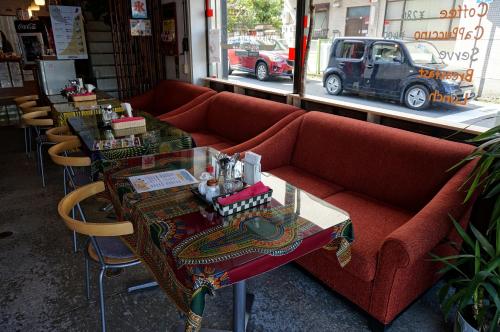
8,7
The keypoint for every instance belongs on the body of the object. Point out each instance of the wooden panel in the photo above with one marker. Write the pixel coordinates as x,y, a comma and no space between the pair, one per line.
139,62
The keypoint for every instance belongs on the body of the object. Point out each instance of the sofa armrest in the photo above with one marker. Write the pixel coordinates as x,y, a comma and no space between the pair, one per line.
270,132
277,150
143,102
189,105
421,234
190,121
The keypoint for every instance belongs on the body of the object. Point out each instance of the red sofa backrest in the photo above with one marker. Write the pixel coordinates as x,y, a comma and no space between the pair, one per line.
170,95
239,117
395,166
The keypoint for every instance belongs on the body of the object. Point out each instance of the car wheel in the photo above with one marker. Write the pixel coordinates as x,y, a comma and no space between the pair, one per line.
417,97
333,85
261,71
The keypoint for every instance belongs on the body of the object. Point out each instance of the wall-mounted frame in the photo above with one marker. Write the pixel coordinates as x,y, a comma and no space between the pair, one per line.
32,46
139,9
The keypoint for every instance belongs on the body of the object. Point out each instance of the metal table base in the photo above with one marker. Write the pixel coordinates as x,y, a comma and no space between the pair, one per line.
242,306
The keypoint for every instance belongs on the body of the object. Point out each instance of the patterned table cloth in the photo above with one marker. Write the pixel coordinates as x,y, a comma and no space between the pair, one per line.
192,251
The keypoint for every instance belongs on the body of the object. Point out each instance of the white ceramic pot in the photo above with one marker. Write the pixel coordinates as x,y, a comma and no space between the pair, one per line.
461,325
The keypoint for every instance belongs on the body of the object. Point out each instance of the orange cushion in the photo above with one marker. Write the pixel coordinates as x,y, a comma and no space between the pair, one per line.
306,181
372,222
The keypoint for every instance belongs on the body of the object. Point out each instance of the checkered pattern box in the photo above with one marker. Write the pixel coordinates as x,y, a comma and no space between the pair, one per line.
226,210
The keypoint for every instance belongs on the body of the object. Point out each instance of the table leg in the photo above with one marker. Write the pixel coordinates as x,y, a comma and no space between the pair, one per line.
239,306
242,305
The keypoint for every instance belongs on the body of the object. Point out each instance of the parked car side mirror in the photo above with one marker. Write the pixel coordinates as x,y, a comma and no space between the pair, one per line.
397,59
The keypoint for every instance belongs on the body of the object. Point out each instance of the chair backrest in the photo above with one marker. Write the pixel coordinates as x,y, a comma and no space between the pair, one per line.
26,105
240,118
56,150
23,99
171,94
398,167
90,228
37,119
60,134
36,109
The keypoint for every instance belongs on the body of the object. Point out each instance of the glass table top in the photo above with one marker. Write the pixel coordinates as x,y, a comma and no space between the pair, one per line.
85,105
60,99
97,137
209,242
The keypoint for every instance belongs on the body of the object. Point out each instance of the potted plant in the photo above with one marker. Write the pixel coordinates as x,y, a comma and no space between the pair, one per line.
477,266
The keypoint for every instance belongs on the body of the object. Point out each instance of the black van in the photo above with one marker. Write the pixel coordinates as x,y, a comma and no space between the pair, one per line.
410,72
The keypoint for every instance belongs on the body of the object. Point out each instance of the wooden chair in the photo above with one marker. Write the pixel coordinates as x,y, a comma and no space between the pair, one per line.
65,154
23,99
60,134
37,118
26,102
104,245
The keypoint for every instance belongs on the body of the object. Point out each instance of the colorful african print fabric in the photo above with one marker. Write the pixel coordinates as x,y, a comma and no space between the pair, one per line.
193,251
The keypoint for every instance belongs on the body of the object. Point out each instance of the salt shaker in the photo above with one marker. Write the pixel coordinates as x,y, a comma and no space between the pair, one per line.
212,189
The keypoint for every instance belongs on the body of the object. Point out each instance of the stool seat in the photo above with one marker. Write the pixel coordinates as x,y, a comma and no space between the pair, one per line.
113,249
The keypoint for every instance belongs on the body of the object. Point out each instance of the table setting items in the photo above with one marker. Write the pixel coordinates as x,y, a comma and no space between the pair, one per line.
224,188
77,91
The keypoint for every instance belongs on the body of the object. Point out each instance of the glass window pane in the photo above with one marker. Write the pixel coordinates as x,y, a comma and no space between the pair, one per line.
394,10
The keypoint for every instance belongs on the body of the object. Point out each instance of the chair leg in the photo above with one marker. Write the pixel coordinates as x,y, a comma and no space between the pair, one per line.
65,185
30,139
101,299
26,141
75,244
87,278
40,160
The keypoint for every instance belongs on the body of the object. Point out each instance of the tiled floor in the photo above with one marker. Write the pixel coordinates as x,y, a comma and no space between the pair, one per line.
41,280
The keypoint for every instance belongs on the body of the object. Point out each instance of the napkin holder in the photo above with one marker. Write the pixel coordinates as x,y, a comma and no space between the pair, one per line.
251,168
124,123
229,209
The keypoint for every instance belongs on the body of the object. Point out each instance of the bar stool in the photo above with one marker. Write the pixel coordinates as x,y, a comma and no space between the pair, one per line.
36,118
104,245
64,154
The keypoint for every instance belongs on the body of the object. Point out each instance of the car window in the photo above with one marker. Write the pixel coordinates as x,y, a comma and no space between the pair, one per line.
350,50
386,53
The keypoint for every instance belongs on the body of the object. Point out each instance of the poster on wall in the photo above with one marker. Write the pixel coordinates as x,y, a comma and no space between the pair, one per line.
139,9
69,35
140,27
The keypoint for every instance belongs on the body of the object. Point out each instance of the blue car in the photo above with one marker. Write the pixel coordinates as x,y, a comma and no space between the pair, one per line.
410,72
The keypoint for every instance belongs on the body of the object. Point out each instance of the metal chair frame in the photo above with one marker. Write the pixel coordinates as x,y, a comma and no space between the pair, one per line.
93,230
64,144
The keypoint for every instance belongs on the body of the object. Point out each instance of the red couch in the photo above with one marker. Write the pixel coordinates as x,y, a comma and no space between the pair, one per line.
396,188
172,97
232,122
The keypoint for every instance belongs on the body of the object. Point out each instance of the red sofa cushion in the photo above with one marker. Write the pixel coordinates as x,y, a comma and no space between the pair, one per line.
311,183
169,95
398,167
372,222
239,118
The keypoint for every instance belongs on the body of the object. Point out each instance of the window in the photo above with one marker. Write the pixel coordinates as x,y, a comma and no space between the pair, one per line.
444,52
350,50
382,52
448,48
257,41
